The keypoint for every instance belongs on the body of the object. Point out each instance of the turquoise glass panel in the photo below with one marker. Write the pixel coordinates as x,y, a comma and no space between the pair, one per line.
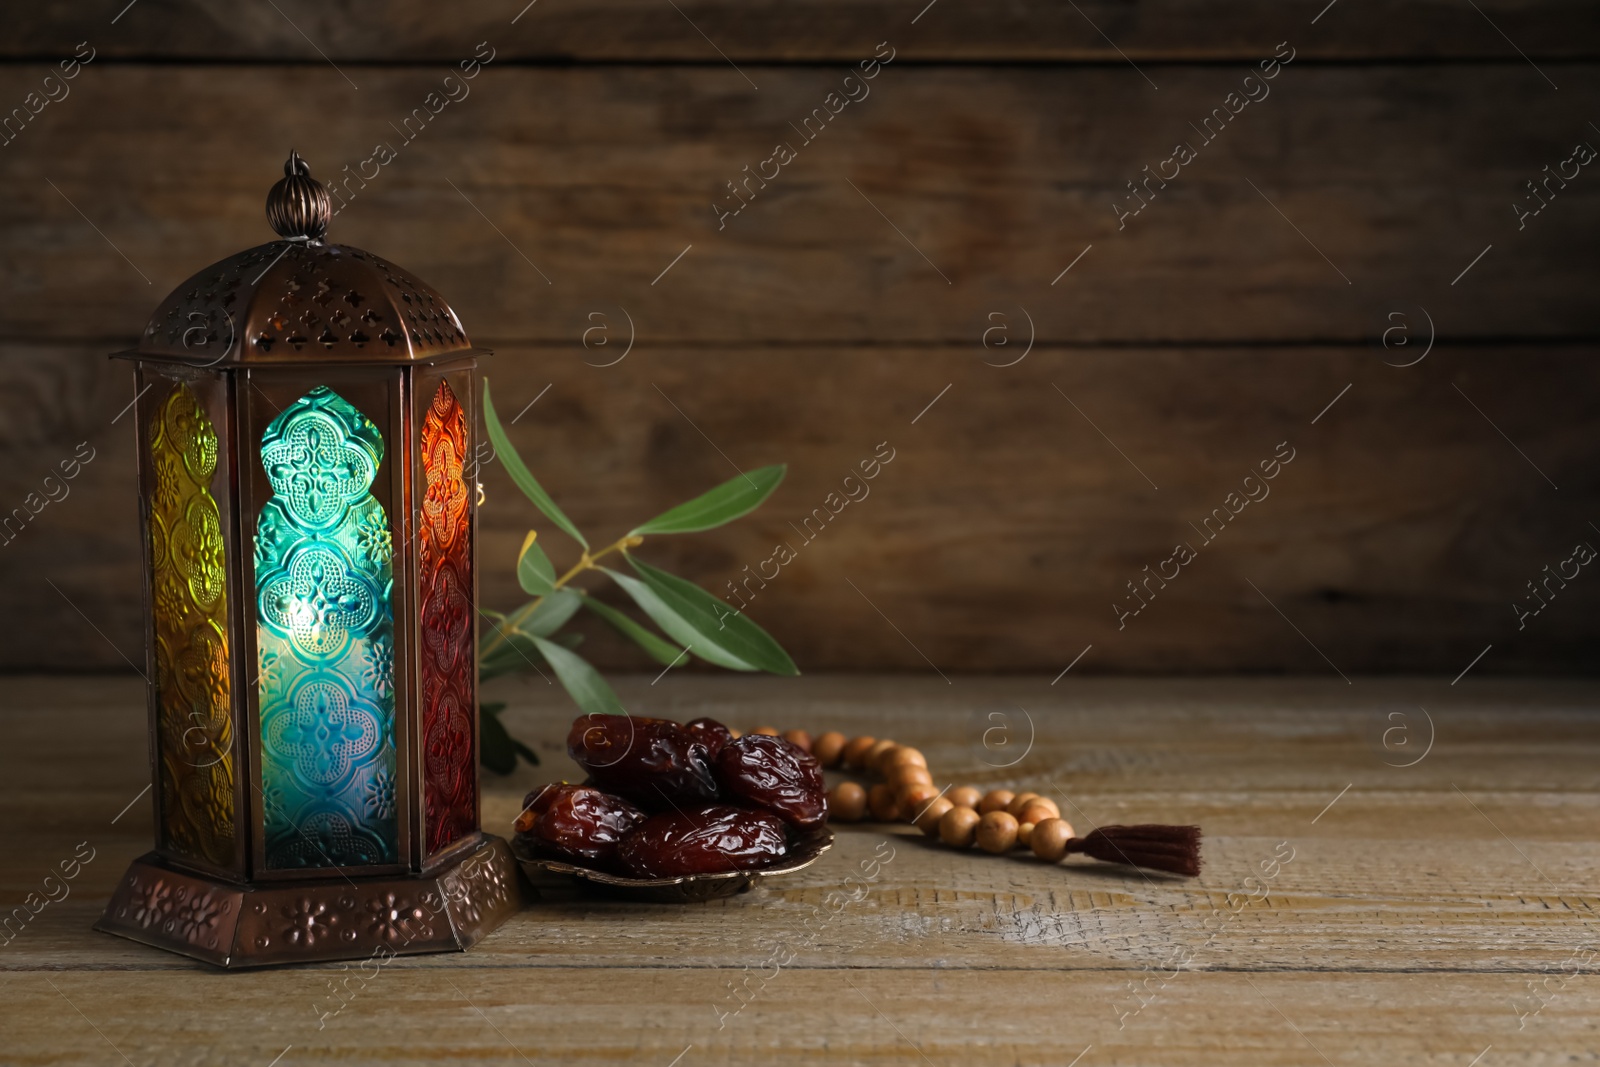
325,632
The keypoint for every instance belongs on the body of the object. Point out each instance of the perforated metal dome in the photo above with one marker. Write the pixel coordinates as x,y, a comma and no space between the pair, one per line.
298,300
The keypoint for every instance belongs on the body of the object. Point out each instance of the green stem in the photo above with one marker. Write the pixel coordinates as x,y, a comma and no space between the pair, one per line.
587,562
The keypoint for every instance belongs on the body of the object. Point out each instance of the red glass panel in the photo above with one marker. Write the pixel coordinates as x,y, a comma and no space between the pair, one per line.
450,779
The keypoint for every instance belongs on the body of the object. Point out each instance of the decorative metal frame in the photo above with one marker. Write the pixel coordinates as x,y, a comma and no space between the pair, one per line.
242,339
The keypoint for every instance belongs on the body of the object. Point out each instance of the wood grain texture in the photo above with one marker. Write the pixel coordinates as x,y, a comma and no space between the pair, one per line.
809,30
947,195
1016,509
573,190
1417,907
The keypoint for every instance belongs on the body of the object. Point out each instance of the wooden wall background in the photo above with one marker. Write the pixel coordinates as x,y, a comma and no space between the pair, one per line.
857,288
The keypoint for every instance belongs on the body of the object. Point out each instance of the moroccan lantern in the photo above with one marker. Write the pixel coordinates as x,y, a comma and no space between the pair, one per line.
306,417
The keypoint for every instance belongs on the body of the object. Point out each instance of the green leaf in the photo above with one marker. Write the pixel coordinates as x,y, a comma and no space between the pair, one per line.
728,501
535,573
678,626
731,631
494,745
508,640
524,751
543,617
497,749
521,475
663,652
486,672
491,645
588,689
515,653
716,622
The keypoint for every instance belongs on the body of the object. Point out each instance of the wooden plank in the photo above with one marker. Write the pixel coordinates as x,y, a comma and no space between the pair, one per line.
1036,1019
818,30
1465,914
1016,509
945,197
1408,924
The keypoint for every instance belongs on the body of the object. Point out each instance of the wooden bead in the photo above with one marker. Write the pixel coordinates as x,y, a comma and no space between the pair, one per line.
1024,834
913,798
1037,813
928,821
879,755
997,832
904,756
798,738
965,796
735,734
959,826
770,731
899,776
847,802
829,748
1020,801
995,800
1043,802
883,803
856,748
1049,840
869,762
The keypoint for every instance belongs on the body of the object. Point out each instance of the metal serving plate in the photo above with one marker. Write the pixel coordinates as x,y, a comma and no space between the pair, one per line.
684,889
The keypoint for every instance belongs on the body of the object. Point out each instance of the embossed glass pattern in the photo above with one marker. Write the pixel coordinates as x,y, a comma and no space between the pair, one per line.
188,585
448,670
325,635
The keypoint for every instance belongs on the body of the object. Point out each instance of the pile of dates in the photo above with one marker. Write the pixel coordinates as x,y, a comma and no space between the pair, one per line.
665,799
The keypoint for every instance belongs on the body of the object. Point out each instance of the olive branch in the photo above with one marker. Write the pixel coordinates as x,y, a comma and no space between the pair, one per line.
690,619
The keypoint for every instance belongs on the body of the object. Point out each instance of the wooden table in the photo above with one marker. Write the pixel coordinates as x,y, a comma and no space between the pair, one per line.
1353,910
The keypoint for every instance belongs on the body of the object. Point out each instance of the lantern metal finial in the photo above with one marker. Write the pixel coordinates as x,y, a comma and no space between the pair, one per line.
298,207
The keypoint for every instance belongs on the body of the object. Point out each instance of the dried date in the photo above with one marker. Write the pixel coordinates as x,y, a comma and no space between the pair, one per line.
656,763
771,773
705,840
577,823
711,733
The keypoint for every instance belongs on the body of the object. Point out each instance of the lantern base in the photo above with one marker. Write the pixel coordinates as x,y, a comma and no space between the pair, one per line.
447,909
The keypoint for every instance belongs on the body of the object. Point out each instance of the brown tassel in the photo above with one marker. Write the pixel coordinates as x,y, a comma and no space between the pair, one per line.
1159,848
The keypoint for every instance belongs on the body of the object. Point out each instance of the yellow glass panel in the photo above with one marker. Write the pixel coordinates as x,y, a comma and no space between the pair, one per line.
189,593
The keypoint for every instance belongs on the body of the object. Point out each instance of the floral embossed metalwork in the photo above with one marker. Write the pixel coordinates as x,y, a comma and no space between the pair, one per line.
194,718
450,778
480,887
393,919
236,926
325,624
